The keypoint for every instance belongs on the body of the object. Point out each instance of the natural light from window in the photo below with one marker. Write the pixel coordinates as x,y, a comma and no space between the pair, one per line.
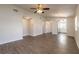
62,25
76,23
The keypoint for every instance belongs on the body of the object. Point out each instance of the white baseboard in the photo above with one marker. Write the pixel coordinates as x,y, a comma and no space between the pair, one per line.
5,42
37,34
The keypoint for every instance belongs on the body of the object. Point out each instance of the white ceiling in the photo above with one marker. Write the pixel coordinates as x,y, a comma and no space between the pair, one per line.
56,10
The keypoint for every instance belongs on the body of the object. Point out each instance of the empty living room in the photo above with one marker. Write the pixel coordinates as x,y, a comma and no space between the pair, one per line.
39,29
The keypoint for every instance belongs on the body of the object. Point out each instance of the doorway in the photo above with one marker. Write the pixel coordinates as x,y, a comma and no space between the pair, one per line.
62,26
27,26
47,27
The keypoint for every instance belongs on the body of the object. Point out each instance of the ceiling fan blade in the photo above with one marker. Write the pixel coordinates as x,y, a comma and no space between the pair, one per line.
35,12
43,12
46,8
32,8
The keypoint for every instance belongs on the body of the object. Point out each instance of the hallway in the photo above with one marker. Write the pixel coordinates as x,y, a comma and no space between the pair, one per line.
48,43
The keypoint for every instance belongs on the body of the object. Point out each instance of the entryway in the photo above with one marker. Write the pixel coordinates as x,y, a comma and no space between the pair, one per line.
62,26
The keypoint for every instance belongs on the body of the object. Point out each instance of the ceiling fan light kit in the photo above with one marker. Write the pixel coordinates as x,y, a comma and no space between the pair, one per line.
39,11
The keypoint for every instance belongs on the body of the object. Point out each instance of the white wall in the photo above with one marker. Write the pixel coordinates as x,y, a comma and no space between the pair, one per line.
77,31
71,26
12,25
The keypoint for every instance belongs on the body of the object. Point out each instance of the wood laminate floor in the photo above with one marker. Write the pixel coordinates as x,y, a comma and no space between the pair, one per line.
42,44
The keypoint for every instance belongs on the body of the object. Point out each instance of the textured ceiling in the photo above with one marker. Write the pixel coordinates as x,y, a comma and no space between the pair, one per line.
56,10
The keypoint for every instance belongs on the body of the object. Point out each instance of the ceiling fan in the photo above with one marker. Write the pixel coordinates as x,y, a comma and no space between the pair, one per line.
39,8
